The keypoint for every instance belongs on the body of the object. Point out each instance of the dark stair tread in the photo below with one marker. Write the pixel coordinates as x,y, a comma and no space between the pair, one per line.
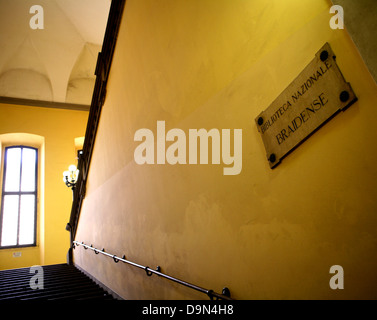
60,282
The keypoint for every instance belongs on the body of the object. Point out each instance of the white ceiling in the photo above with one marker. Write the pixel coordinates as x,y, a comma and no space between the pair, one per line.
57,63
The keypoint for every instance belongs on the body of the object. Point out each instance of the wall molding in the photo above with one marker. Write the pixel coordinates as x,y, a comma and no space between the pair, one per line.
44,104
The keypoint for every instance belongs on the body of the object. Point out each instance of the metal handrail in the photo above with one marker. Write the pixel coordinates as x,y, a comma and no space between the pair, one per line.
212,294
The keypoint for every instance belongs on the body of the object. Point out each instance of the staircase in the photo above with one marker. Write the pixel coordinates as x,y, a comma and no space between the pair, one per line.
60,282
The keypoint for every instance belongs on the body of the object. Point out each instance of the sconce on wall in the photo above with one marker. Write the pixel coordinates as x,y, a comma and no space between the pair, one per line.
70,177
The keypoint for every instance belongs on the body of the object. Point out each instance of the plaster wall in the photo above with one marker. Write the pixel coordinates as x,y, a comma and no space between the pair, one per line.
265,234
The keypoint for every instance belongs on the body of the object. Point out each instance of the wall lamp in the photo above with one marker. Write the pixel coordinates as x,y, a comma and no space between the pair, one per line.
70,177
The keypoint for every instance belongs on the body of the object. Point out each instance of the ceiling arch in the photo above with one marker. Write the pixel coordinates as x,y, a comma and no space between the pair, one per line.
56,63
82,79
25,83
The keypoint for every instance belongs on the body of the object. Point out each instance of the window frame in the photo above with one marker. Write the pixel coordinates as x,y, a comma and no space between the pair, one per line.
19,193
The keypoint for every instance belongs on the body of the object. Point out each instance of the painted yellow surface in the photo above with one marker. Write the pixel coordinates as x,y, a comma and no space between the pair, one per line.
53,131
265,234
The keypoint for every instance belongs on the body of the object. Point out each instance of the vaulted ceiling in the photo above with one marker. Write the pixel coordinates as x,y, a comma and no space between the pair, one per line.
56,63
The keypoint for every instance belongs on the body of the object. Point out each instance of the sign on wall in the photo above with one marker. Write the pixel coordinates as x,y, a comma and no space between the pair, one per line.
317,94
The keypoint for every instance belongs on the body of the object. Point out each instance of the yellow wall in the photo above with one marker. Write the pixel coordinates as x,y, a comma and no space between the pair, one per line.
54,131
266,234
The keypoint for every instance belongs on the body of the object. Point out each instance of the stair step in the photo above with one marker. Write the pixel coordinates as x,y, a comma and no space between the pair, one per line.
60,282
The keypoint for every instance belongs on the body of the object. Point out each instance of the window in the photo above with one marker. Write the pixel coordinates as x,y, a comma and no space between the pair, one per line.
19,197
